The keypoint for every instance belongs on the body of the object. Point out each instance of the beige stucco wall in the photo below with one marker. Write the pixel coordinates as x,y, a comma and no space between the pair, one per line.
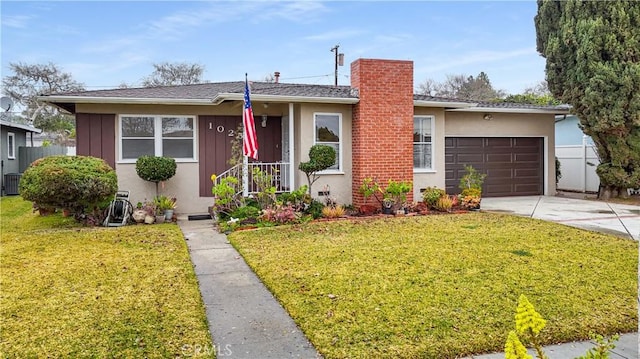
339,182
472,124
434,177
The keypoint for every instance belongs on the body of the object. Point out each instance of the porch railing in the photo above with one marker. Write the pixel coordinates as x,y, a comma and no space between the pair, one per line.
279,172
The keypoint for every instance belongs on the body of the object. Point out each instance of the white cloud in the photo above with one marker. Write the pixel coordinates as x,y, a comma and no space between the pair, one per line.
17,21
476,57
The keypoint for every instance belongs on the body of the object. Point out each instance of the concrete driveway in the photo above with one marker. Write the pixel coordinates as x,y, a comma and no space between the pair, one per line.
618,219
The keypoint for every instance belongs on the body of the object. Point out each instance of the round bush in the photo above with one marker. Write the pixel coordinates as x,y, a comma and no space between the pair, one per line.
78,183
155,169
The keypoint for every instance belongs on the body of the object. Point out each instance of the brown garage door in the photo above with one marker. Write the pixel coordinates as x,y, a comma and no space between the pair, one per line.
514,165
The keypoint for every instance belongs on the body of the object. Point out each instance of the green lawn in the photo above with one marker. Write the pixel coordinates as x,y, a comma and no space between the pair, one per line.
442,286
71,291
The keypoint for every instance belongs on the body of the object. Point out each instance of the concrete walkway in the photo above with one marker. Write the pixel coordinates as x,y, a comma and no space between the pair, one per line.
245,320
626,348
622,220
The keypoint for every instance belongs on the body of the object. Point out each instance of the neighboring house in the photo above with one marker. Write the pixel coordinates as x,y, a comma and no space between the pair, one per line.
12,137
378,126
577,155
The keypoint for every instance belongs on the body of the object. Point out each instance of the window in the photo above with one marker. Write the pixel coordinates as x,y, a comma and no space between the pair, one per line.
422,142
169,136
328,131
11,143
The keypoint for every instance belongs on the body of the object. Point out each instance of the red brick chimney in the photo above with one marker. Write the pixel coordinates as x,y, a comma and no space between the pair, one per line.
277,76
382,122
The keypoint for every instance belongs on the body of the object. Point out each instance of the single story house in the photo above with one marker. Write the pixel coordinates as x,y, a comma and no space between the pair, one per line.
12,137
378,126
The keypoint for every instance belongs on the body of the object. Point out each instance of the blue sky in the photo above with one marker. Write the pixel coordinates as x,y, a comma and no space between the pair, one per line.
106,43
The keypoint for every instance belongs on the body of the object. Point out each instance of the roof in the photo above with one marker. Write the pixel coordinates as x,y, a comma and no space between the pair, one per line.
218,92
27,128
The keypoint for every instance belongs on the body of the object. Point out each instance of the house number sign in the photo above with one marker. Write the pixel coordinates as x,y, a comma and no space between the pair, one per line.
220,129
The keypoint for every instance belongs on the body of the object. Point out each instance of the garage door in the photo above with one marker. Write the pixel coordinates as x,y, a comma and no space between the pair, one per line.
514,165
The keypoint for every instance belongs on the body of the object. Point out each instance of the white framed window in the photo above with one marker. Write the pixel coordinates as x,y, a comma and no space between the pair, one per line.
169,136
11,145
423,142
328,131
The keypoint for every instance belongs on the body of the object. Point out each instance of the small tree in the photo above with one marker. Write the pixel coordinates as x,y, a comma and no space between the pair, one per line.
155,169
321,157
472,179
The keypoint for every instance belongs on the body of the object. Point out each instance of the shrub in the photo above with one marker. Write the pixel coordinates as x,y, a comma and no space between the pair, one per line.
245,212
314,209
299,198
78,183
397,191
472,178
321,157
227,197
444,204
431,195
279,214
155,169
333,211
266,191
369,188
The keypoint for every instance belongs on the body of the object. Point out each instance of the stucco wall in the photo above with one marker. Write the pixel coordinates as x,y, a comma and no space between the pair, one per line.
434,177
183,186
472,124
339,182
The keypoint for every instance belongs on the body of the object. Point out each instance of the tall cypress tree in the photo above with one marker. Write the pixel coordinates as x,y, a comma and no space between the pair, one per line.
592,51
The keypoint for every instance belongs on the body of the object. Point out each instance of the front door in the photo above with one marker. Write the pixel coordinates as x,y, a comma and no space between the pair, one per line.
216,134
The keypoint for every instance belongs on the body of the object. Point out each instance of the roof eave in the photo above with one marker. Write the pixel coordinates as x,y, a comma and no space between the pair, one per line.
278,98
20,126
452,104
123,100
550,111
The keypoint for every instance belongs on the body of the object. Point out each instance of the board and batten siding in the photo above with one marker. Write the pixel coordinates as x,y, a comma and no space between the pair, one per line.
96,136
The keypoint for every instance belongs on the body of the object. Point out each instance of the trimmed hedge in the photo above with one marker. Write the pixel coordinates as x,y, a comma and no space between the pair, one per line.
155,169
77,183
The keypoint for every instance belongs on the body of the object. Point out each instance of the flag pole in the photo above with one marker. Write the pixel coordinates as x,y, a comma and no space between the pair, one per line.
245,158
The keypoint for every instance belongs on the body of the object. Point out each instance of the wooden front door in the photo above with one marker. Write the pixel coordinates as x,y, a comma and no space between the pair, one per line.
216,134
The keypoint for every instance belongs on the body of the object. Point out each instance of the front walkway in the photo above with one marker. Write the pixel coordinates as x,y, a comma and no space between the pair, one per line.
245,320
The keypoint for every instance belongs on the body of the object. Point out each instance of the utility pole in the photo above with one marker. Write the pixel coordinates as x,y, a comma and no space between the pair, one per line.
339,61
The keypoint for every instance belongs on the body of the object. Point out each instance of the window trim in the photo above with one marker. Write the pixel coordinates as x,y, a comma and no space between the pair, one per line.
340,169
432,143
157,137
11,145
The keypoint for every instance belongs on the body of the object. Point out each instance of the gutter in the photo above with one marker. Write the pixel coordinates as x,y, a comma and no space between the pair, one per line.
555,111
445,104
122,100
221,97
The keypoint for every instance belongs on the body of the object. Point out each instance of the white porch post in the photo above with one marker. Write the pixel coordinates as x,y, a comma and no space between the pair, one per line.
292,169
245,176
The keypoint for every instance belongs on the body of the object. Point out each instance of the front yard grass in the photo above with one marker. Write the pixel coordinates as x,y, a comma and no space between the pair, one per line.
442,286
70,291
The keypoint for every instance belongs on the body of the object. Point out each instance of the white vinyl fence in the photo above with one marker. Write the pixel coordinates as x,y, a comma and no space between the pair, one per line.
578,167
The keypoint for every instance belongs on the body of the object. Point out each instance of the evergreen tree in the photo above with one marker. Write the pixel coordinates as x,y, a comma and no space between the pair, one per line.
592,51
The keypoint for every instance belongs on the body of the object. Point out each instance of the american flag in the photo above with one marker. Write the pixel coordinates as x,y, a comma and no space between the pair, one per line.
249,138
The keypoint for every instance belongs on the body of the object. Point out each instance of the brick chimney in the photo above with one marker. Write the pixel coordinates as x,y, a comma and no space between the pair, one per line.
276,75
382,122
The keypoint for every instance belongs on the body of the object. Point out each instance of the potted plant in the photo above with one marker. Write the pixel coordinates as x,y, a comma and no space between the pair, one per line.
387,205
165,206
397,191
